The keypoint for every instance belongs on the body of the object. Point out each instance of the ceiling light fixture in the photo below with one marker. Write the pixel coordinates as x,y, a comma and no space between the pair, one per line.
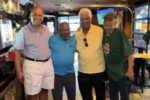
19,11
11,9
3,5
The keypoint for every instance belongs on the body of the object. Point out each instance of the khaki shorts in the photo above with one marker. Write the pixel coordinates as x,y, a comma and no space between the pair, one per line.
38,75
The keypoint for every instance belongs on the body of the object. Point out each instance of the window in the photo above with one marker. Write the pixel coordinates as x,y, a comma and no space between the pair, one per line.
50,26
141,26
141,17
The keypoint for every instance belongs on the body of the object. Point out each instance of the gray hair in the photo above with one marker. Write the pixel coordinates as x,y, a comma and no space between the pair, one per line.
84,10
61,24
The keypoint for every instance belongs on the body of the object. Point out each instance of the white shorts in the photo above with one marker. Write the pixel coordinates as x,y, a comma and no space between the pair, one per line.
38,75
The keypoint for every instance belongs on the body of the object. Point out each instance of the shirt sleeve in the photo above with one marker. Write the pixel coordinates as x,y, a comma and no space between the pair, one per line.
20,40
127,48
49,42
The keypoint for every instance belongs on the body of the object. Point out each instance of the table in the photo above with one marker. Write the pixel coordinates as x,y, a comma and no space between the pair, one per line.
141,55
144,56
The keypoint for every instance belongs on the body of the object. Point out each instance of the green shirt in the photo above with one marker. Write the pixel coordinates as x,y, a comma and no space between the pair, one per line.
119,49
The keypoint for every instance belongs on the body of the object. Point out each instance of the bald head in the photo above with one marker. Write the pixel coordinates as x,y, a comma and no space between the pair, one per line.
35,8
63,23
64,30
36,16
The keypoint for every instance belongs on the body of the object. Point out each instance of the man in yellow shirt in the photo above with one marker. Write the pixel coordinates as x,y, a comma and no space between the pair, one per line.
91,59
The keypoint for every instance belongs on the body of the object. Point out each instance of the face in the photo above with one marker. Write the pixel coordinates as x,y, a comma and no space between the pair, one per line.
109,23
36,17
85,20
64,31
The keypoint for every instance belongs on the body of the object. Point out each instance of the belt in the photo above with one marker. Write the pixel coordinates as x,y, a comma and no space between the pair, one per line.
37,60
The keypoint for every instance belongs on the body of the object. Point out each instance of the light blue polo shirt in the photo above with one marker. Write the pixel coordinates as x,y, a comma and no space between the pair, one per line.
62,54
33,44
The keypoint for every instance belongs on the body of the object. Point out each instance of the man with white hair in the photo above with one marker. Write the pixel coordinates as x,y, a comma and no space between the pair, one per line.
91,59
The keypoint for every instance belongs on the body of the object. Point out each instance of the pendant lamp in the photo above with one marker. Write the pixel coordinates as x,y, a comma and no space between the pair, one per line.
11,8
3,5
19,11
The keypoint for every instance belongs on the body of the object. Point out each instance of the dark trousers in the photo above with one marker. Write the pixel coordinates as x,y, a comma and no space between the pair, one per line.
67,81
115,87
87,81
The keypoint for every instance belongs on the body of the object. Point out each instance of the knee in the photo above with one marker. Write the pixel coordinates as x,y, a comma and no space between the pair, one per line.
32,97
44,91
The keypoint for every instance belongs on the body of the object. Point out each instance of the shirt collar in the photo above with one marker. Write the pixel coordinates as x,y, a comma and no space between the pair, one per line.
89,32
32,29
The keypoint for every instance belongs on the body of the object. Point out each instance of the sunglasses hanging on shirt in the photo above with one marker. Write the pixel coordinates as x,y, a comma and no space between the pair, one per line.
85,41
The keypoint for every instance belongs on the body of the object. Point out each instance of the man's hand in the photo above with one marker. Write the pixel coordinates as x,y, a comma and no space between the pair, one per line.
130,74
20,77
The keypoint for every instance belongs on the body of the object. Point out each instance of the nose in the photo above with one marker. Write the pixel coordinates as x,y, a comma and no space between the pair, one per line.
38,16
65,31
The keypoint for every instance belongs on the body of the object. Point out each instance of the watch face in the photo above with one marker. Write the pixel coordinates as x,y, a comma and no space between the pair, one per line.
106,48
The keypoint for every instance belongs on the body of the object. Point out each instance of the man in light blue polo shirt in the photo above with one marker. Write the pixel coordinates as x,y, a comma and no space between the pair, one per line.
63,48
32,40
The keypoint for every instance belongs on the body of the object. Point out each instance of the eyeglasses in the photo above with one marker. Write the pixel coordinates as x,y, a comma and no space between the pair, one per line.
85,40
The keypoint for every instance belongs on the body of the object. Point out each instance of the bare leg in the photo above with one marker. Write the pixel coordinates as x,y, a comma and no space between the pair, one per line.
43,94
32,97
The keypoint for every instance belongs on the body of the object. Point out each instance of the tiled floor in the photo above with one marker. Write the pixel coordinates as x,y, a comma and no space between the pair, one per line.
135,93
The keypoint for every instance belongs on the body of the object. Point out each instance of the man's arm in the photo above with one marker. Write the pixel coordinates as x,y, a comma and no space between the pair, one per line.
129,72
17,57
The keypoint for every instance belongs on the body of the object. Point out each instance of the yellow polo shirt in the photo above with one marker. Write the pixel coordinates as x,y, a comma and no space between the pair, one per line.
91,58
